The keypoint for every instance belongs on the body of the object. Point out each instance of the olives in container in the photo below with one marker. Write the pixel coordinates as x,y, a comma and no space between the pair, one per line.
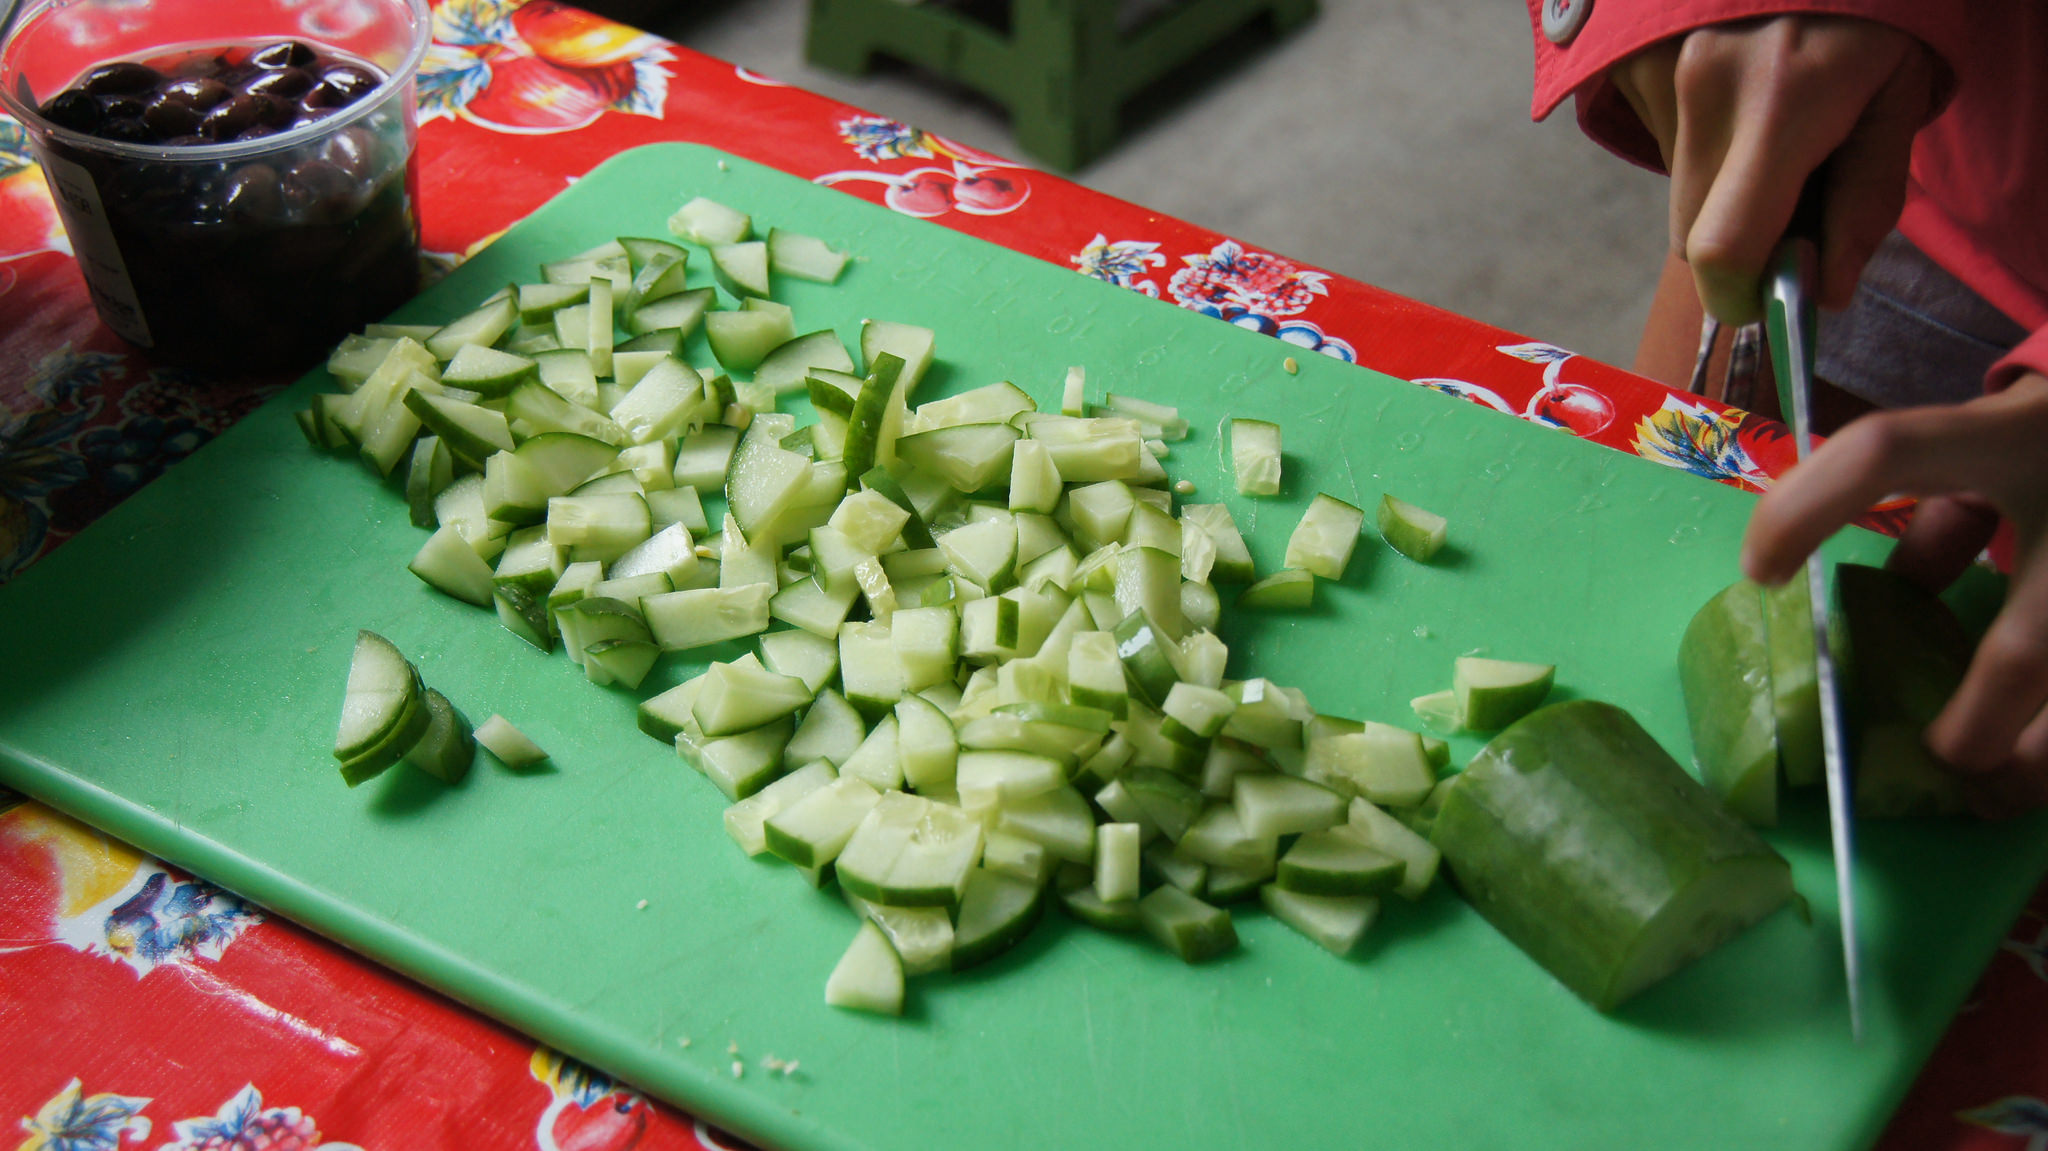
236,206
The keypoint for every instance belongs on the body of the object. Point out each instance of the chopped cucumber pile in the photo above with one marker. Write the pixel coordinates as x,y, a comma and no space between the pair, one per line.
983,675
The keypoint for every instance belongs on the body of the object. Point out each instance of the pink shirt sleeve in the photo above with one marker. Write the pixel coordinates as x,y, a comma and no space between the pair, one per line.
2030,356
1616,29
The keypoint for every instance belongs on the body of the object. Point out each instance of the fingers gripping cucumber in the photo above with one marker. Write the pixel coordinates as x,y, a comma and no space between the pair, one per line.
1582,841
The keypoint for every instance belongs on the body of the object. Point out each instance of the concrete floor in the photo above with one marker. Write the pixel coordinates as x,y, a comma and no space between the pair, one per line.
1388,141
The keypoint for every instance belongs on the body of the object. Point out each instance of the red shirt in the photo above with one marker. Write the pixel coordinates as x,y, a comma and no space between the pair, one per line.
1977,198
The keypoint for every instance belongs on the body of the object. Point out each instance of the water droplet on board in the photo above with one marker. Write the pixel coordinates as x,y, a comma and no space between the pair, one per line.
1152,355
1497,470
1061,324
1591,502
1685,533
1408,441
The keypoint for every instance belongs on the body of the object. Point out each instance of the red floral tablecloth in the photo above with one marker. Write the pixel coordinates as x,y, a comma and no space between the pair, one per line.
140,1007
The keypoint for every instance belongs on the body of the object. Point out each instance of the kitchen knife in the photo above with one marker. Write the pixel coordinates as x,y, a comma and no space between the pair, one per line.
1789,324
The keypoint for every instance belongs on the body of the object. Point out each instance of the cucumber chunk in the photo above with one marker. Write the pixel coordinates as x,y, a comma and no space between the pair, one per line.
508,743
996,911
1335,922
1724,669
1191,929
1322,543
447,748
1255,455
1493,693
1413,532
381,699
869,977
1583,842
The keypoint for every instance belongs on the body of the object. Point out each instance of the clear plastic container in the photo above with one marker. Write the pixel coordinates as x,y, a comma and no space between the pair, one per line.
233,240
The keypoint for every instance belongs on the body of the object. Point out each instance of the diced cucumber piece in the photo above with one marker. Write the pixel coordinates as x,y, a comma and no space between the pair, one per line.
1413,532
1083,904
921,936
510,745
484,326
1582,841
876,759
1230,884
741,269
970,457
705,222
1255,455
745,820
741,696
738,765
1380,762
832,731
1493,693
1335,922
448,564
704,456
1904,653
811,831
543,409
431,471
1194,714
1323,541
680,313
869,977
487,371
1440,710
447,748
1217,838
1059,818
997,910
790,363
470,431
662,404
911,852
600,527
1334,862
1233,561
1270,806
524,614
1116,861
1382,832
1289,589
1191,929
744,340
538,303
805,257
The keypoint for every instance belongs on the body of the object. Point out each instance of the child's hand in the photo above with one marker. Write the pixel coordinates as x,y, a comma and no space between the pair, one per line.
1960,460
1744,112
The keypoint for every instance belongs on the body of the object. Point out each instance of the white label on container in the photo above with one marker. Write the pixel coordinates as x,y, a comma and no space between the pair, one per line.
99,257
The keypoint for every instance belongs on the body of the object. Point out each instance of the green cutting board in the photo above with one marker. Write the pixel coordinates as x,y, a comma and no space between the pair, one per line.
173,676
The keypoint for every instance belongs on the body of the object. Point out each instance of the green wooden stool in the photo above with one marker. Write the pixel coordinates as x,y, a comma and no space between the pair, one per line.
1063,69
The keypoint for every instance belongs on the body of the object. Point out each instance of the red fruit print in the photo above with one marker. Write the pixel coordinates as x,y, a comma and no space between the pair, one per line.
614,1122
1579,408
924,193
987,194
529,94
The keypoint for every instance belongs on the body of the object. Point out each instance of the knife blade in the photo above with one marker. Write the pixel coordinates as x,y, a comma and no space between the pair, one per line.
1789,322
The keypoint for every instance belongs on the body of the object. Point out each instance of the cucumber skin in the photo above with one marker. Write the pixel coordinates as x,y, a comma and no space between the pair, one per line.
1641,834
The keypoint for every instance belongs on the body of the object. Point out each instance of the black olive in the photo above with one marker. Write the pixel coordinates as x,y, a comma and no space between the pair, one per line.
285,54
229,120
169,116
74,110
120,107
123,77
201,93
347,83
280,83
253,194
353,151
127,131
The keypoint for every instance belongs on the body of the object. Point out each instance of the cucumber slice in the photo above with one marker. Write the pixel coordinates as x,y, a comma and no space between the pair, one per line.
812,831
1724,664
699,617
449,565
524,614
805,257
1083,904
831,731
487,371
1270,806
705,222
382,710
911,852
1322,542
741,696
428,475
1289,589
1335,922
996,911
704,456
1577,837
743,341
538,303
1380,762
970,457
1255,455
662,403
1233,562
869,977
1059,819
1905,653
484,326
1191,929
1440,710
876,759
921,936
470,431
1795,682
786,368
1413,532
680,313
1493,693
447,748
738,765
1333,862
510,745
1389,836
1116,861
746,820
741,269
